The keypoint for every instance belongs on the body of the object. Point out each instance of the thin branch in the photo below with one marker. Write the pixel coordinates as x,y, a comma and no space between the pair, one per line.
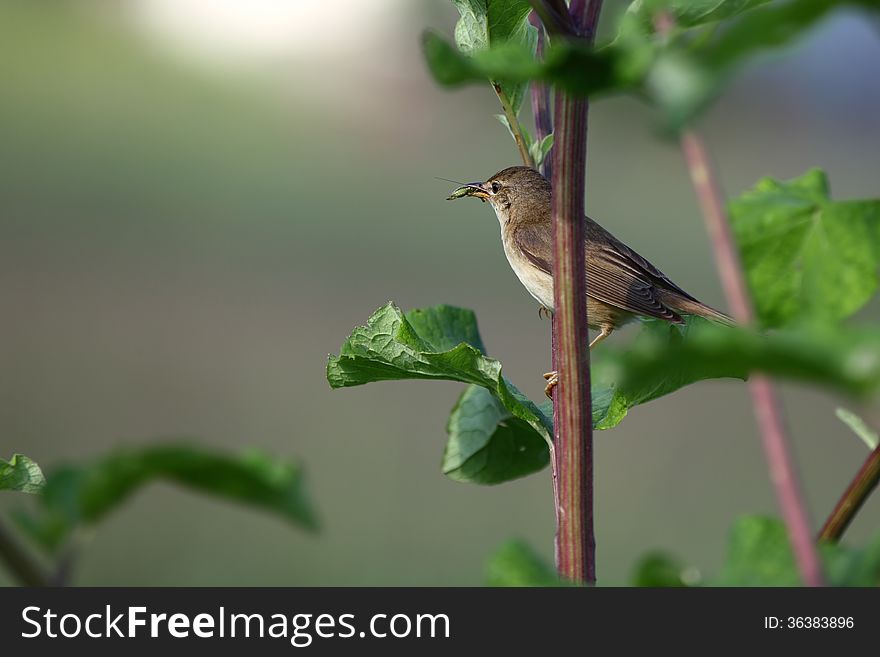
19,562
541,102
573,425
515,127
764,399
853,498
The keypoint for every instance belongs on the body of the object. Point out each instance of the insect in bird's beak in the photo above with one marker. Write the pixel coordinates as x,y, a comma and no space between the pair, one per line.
471,189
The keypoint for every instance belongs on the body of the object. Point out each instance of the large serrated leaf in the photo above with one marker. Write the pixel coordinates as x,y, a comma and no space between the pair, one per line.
432,343
807,258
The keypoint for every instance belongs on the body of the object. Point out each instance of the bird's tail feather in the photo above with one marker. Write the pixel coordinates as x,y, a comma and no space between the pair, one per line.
693,307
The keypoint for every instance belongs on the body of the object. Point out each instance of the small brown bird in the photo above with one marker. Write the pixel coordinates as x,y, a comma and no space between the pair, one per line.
621,284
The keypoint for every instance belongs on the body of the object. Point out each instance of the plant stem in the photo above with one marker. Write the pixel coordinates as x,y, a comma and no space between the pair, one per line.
555,16
573,418
853,498
585,16
515,127
764,399
23,567
541,102
573,426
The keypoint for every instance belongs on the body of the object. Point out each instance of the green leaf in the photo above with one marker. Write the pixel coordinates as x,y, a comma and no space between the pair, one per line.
432,343
699,67
490,440
859,427
807,258
472,29
848,566
497,436
495,433
770,26
691,13
530,144
516,564
487,445
488,23
22,474
540,149
680,74
624,377
660,569
841,359
759,554
575,67
77,496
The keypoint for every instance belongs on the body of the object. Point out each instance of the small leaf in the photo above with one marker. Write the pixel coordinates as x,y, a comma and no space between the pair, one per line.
660,569
807,258
21,474
759,554
515,564
540,149
530,144
859,427
83,495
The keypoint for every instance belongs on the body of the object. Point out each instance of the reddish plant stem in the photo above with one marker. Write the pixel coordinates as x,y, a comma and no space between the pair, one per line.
541,102
585,16
853,498
764,398
573,426
573,453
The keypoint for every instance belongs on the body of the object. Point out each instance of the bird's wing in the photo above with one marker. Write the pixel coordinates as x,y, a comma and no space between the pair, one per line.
616,274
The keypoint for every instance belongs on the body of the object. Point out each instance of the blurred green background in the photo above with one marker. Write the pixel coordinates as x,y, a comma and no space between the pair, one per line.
199,199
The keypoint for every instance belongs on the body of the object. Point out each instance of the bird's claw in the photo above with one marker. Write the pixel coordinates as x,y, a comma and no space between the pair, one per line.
552,382
543,312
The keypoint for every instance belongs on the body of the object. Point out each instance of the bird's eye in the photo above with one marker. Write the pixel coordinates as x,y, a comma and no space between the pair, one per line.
495,187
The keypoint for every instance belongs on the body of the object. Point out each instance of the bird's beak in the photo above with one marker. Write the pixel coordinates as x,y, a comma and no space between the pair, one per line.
471,189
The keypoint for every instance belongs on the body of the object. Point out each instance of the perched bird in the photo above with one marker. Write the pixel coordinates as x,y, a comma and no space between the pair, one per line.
621,284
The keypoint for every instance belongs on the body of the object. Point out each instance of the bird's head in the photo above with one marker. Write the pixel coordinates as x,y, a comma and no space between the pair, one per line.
519,192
